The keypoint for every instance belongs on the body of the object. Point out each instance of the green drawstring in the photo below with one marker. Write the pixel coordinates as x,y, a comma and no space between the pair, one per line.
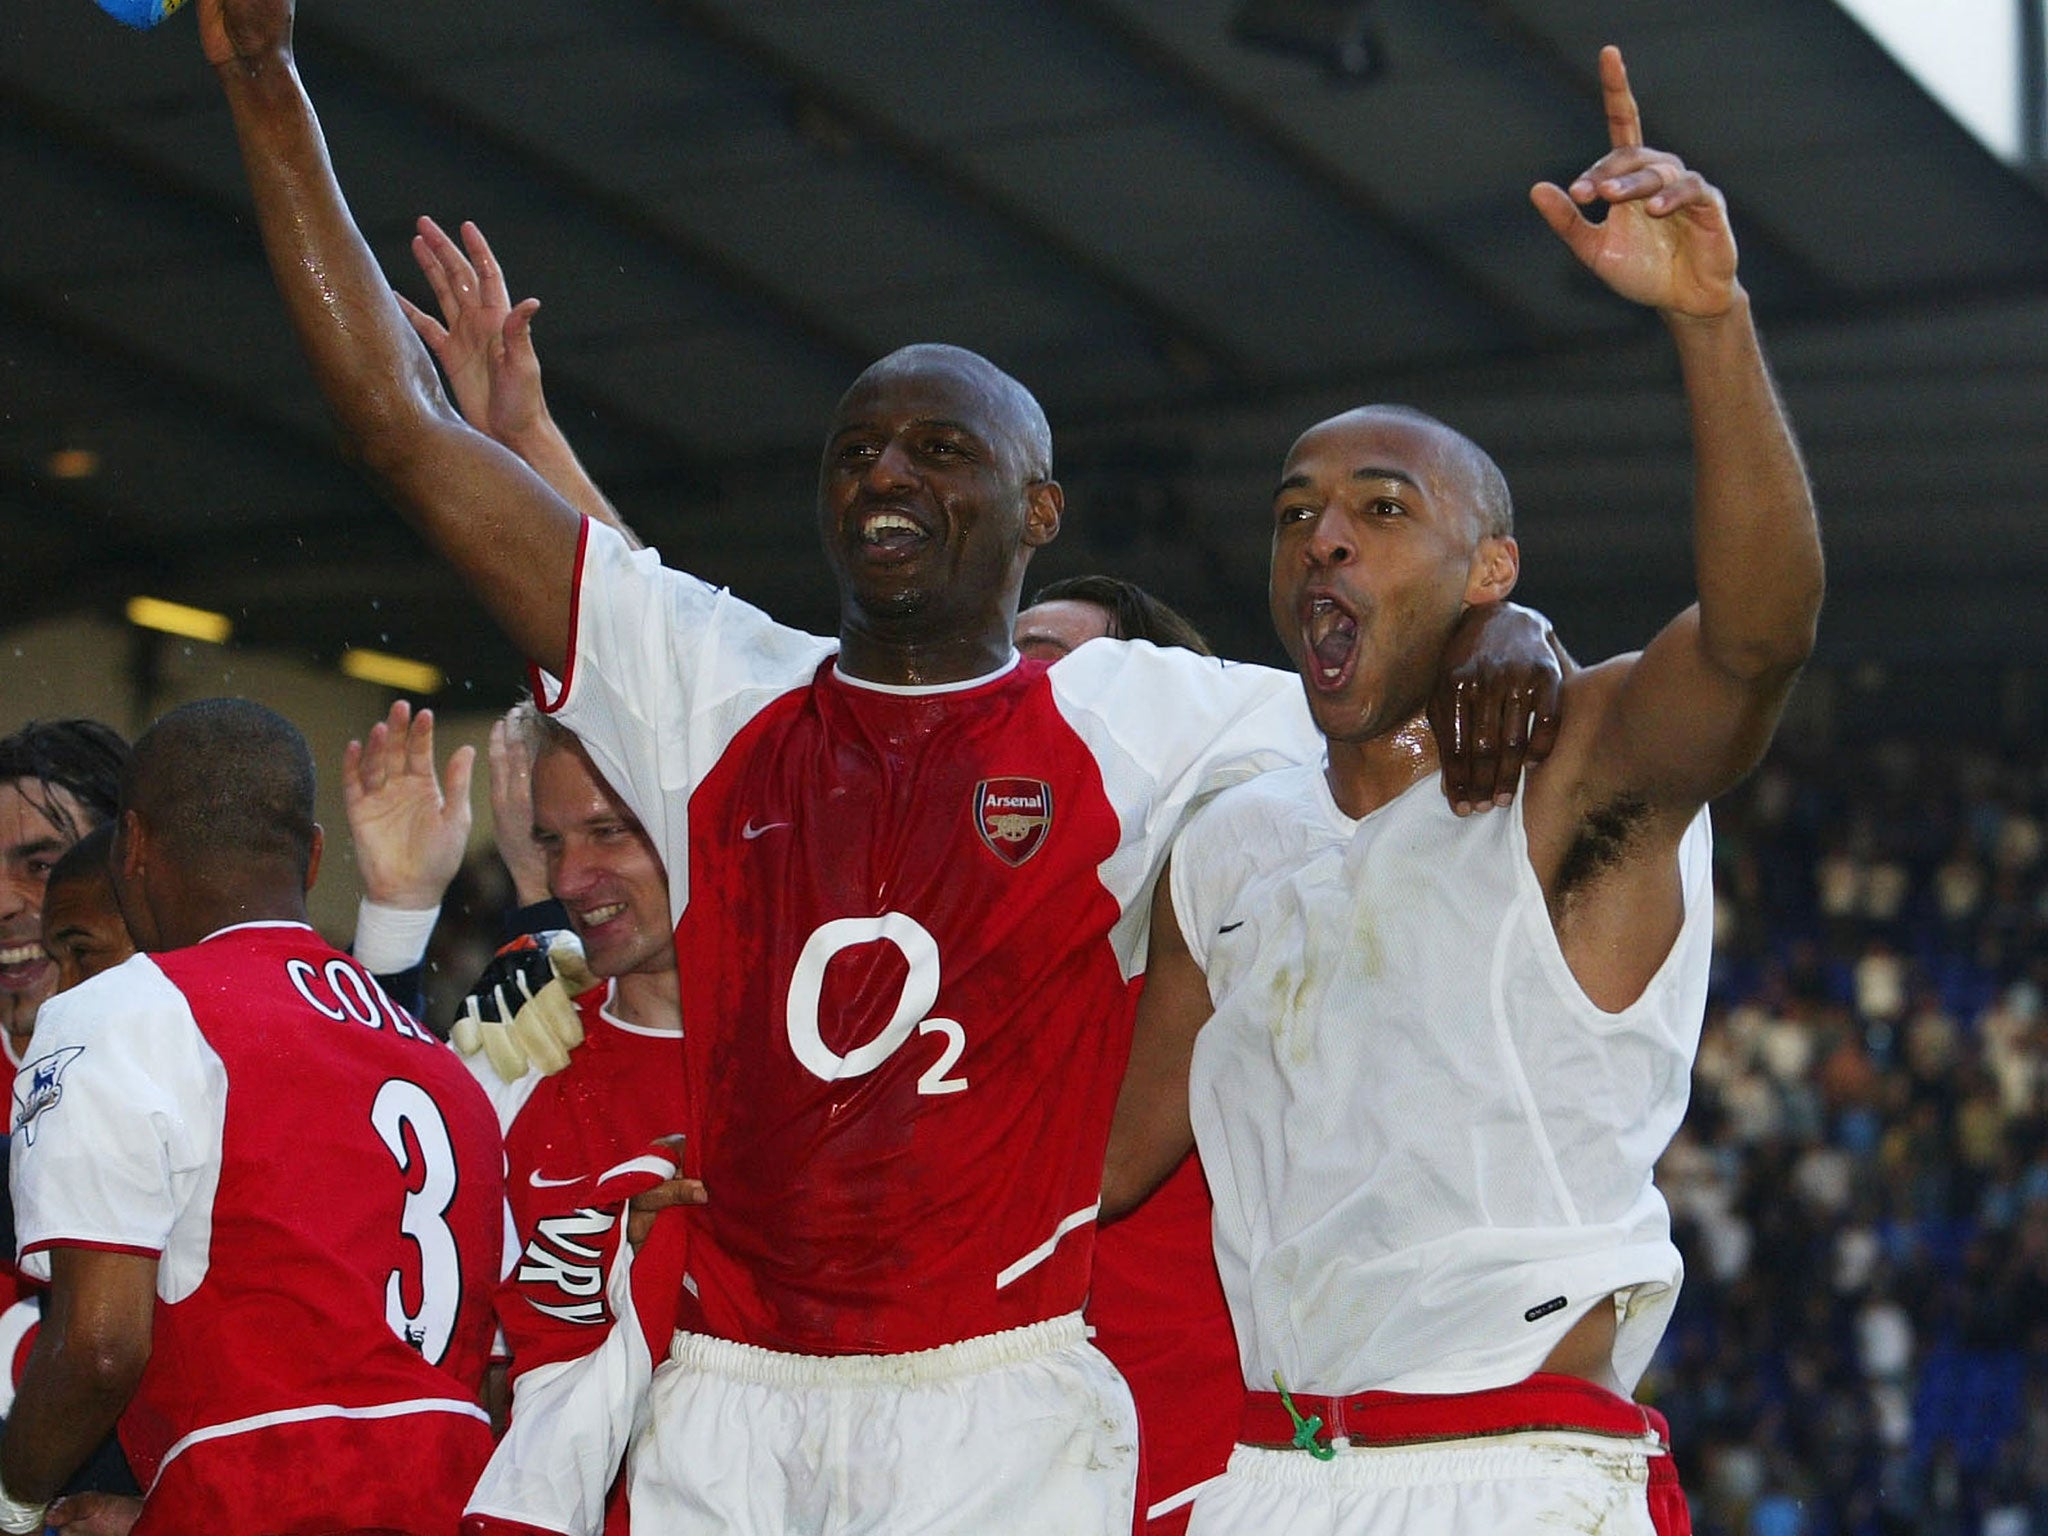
1305,1430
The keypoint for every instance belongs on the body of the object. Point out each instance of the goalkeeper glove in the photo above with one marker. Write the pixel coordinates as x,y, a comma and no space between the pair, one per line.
522,1012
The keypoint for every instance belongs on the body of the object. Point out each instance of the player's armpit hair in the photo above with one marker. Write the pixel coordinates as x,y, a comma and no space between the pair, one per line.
1601,842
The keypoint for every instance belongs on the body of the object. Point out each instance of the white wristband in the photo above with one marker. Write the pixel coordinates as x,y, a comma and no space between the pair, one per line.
24,1519
391,939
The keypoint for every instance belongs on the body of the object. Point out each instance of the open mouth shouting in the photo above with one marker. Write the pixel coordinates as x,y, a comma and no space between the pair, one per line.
1329,632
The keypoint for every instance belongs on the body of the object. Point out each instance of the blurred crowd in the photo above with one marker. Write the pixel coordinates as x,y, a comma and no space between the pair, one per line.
1861,1187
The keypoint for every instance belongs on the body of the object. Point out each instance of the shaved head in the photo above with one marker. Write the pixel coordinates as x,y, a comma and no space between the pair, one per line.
224,784
1484,487
1013,411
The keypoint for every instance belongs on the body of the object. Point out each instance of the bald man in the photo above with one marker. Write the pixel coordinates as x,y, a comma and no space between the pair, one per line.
1431,1062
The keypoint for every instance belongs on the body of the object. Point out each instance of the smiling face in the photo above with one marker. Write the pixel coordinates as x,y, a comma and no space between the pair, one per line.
933,492
601,866
82,928
1380,541
37,824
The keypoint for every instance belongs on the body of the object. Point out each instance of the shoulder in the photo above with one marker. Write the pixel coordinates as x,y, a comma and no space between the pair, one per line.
128,998
1120,668
1247,823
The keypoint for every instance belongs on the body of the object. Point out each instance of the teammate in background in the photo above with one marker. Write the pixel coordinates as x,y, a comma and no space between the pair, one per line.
571,1135
908,875
291,1342
82,928
84,934
58,779
1155,1301
1073,611
409,835
1434,1061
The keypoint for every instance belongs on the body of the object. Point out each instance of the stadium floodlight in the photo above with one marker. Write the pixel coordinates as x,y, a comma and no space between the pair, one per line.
178,619
400,672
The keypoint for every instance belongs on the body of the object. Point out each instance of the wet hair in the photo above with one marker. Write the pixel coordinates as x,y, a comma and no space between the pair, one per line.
1134,613
1021,417
82,757
224,782
539,731
86,859
1491,501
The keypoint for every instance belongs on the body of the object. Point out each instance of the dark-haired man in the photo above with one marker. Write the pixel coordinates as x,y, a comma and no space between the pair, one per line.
1076,609
908,876
1431,1062
267,1202
58,780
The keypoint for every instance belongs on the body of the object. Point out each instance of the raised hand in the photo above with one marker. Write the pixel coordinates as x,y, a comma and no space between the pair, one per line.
512,813
1665,241
483,341
409,837
244,31
484,344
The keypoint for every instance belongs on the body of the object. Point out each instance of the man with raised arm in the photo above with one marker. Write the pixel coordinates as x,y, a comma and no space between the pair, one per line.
1431,1062
908,876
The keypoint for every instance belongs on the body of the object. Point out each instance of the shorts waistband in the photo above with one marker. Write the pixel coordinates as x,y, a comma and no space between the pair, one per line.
985,1352
1545,1401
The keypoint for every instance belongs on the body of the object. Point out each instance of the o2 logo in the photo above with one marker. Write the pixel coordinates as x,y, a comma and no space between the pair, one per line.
913,1005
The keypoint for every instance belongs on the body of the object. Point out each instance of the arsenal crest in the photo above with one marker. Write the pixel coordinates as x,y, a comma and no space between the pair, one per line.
1013,817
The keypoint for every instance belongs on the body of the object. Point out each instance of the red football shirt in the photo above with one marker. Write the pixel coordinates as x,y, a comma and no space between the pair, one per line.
320,1182
623,1087
909,924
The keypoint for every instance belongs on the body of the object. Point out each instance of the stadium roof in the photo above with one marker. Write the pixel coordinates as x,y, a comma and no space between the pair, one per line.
1188,246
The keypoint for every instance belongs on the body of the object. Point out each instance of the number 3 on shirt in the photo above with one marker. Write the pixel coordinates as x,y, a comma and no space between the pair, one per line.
400,1104
920,991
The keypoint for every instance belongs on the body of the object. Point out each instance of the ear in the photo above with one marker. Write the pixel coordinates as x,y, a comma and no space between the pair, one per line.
1044,501
130,857
313,859
1496,567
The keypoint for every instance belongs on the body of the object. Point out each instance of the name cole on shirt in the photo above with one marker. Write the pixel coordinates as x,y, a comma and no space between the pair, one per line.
342,990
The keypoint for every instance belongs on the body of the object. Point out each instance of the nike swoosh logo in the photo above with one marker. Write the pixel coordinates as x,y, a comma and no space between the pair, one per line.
538,1182
750,831
1233,927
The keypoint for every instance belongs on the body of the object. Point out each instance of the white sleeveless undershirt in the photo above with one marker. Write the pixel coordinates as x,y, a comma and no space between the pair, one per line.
1431,1154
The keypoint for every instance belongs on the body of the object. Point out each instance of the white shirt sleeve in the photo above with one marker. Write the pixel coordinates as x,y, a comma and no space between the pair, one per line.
1169,729
117,1124
664,670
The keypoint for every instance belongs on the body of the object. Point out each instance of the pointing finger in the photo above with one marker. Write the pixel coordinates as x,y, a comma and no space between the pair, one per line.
1624,121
